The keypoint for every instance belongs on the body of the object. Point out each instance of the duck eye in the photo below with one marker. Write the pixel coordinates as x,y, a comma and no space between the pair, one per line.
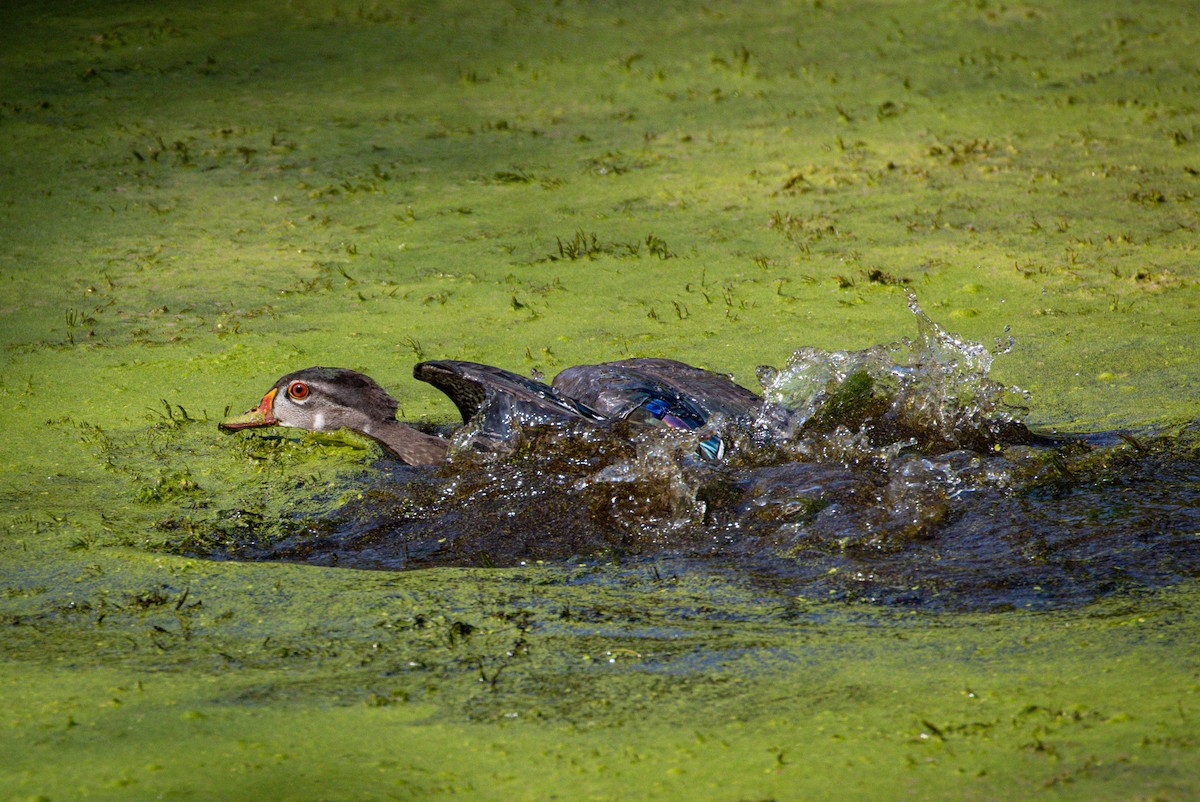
298,391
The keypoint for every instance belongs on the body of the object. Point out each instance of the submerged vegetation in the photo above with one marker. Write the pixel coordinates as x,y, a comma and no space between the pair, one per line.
195,200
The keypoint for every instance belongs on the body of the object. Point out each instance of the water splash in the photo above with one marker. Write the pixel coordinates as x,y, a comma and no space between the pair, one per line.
934,392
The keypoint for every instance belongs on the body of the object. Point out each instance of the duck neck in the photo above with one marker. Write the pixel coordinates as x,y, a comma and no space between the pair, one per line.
410,445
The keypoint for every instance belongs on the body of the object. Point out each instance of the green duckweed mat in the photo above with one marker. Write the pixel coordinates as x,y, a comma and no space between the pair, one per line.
195,199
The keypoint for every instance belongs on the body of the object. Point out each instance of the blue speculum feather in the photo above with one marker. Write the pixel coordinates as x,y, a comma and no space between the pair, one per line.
679,416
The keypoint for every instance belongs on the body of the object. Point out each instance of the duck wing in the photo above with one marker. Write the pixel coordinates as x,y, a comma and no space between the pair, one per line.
713,392
659,392
618,388
474,387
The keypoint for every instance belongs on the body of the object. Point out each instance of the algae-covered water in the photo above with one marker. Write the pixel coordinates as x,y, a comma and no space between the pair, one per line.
195,200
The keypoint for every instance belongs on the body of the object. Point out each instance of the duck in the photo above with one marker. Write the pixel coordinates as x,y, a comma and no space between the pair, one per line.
651,391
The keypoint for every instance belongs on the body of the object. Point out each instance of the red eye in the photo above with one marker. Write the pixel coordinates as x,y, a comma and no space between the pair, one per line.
298,391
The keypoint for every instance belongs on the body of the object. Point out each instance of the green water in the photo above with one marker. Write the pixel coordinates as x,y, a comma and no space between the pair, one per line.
195,200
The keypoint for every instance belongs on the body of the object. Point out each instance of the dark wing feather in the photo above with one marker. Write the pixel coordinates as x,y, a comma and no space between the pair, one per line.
471,386
617,388
660,392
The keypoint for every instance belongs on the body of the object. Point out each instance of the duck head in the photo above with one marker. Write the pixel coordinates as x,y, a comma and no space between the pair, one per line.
322,399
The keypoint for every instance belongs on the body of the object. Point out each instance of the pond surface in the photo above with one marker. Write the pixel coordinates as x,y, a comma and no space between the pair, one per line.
907,578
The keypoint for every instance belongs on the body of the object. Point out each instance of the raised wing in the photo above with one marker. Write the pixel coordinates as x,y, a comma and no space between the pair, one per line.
660,392
473,386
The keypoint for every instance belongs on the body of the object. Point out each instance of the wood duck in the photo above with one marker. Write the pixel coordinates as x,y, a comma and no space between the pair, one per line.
657,392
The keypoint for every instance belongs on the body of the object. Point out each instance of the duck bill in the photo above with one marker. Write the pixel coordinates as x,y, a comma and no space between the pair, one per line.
262,415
